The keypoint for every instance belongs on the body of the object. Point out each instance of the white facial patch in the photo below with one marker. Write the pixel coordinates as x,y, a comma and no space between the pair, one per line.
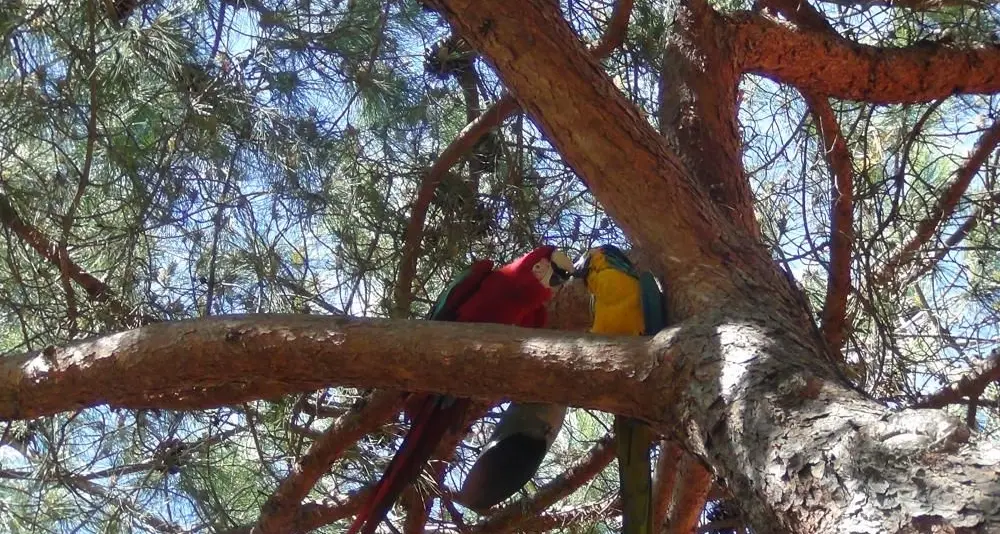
542,271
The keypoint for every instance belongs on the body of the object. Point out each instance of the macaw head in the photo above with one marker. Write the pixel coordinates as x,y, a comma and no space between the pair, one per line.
546,264
603,257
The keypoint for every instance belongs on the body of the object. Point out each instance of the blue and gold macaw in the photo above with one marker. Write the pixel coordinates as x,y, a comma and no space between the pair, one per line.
628,302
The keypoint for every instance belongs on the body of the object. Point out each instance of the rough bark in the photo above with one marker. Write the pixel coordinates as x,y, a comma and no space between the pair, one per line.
801,450
831,65
698,106
262,356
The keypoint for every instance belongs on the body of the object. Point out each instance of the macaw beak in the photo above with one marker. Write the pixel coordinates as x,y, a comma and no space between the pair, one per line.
562,268
580,267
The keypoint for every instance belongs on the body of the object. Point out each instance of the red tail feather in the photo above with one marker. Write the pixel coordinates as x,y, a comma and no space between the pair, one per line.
429,426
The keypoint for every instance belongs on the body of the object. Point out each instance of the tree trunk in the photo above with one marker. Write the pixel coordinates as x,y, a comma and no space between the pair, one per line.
762,404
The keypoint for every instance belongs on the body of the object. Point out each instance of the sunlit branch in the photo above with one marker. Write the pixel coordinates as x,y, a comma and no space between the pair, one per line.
838,157
944,206
841,222
827,64
258,356
692,489
665,480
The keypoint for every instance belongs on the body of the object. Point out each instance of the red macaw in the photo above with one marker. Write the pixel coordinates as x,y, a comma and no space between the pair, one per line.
514,294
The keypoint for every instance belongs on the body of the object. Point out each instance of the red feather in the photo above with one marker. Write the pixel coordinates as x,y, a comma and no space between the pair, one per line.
509,295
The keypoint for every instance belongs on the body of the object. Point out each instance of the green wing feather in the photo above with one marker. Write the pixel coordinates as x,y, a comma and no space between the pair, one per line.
633,438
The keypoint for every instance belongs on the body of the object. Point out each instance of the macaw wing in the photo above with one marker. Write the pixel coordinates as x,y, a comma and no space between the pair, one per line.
654,305
459,290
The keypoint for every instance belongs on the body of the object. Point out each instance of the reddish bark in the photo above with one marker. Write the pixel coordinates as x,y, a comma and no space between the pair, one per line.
971,385
838,156
838,285
96,289
830,65
280,509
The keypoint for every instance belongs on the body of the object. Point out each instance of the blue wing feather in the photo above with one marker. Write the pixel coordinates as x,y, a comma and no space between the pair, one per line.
654,311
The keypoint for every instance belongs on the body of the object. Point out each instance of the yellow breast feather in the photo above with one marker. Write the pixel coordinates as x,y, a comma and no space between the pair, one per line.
617,300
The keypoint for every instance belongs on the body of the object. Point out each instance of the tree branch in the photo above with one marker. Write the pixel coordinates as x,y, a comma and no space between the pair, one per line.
466,140
694,483
255,356
838,285
573,516
945,205
665,481
838,157
96,289
615,33
830,65
279,511
971,385
970,223
917,5
543,64
510,516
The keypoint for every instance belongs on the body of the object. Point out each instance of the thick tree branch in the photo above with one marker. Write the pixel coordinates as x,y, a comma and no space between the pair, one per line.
269,355
510,516
665,481
566,92
279,511
830,65
694,483
945,205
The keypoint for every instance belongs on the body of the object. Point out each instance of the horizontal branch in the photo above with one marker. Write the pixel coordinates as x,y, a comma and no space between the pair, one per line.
830,65
251,356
